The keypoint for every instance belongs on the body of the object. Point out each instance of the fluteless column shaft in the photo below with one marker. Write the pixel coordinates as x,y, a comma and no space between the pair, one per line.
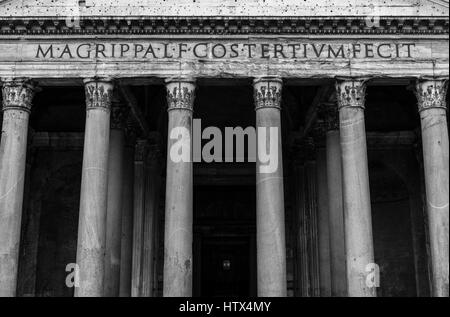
356,192
179,190
94,189
431,96
17,98
270,225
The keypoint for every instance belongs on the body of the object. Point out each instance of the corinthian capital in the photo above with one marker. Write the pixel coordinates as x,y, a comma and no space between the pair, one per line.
431,93
17,94
267,92
180,93
351,92
99,94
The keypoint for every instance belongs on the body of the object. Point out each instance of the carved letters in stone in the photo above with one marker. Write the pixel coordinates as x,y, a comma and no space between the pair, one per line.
351,93
267,93
431,94
98,94
17,94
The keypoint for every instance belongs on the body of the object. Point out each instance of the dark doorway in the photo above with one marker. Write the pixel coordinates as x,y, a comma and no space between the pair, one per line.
224,241
226,266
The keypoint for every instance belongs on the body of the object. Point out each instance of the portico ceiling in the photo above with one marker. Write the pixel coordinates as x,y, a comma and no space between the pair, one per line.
224,8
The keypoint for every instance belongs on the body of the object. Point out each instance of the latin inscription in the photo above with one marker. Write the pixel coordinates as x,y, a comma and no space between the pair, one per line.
217,51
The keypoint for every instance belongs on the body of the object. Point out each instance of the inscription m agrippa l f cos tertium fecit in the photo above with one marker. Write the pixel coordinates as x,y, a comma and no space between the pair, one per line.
231,50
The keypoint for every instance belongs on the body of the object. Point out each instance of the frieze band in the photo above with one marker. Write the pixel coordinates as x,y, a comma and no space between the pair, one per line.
225,50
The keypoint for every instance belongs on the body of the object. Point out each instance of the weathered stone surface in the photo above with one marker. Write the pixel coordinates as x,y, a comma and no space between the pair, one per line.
356,192
94,189
336,214
179,195
223,8
114,207
289,56
127,223
17,96
270,226
431,95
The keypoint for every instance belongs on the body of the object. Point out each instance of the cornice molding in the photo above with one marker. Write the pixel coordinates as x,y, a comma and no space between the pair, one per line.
224,25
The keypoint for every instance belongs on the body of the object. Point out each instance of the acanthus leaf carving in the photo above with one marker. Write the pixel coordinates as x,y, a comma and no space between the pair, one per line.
267,93
99,94
351,93
431,94
18,94
180,94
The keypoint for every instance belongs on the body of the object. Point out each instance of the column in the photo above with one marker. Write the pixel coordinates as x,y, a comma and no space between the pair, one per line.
156,257
356,193
270,231
138,217
323,220
94,189
127,216
17,98
29,244
179,190
151,209
115,192
301,224
431,96
335,206
157,224
311,218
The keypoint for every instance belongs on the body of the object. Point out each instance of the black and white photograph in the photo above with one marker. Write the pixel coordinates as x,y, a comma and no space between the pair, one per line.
221,154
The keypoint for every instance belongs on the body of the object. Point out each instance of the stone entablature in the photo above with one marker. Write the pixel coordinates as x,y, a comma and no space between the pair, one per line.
105,39
134,56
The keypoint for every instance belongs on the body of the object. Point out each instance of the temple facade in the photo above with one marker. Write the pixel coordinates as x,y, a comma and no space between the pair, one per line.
137,156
